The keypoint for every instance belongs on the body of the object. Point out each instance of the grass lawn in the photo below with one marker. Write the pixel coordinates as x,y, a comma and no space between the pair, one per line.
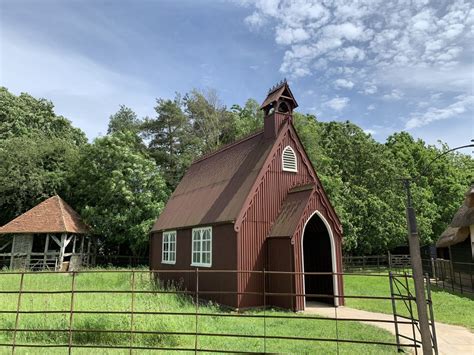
296,326
449,308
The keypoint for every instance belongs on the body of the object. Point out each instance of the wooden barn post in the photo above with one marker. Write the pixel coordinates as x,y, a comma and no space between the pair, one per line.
46,247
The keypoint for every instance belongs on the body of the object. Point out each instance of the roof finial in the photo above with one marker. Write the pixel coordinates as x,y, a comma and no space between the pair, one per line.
277,85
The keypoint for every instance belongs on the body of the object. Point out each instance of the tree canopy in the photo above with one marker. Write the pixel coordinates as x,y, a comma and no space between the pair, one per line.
121,182
119,191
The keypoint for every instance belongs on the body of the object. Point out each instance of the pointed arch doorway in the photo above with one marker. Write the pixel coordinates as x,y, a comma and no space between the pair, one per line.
319,255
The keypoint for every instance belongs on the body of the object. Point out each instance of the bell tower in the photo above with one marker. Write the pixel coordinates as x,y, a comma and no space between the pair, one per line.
278,108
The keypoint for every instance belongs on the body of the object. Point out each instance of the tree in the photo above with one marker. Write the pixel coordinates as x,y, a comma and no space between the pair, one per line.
24,115
32,168
248,118
213,125
124,120
118,191
170,140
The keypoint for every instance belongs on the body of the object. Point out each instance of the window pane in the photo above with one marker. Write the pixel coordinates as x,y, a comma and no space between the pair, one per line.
207,246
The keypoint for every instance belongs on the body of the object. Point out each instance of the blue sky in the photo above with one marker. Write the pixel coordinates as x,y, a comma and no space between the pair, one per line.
386,66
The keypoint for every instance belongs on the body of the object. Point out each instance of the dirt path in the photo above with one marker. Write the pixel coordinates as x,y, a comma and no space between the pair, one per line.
452,339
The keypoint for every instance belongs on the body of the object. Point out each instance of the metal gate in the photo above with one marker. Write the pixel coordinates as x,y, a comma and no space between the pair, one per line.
400,289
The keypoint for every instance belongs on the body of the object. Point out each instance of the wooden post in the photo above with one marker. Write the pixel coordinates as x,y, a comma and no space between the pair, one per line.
74,244
62,249
46,247
12,255
88,251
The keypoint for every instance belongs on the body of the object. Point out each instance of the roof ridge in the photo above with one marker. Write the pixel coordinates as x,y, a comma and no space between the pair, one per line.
61,207
227,146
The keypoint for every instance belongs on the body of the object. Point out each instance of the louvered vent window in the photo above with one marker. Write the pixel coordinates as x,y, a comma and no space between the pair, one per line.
289,159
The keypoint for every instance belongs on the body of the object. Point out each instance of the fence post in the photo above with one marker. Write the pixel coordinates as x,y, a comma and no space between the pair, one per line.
17,312
389,261
71,313
430,306
264,314
197,310
131,311
394,310
433,269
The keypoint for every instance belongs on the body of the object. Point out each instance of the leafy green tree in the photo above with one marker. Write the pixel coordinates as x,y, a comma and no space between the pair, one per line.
119,191
248,118
212,124
439,183
32,168
170,139
125,119
25,115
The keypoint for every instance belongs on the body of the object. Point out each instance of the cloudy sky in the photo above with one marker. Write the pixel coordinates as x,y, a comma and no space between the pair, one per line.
387,66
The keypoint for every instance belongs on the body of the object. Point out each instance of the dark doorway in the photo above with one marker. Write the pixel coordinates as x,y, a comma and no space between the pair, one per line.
317,258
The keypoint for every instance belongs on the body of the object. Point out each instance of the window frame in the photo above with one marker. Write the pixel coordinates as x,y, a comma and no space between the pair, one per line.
169,252
289,148
201,242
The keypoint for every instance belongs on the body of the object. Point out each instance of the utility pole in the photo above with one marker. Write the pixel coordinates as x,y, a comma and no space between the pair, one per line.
417,270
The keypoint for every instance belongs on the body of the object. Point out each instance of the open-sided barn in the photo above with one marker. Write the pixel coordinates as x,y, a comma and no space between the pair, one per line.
256,204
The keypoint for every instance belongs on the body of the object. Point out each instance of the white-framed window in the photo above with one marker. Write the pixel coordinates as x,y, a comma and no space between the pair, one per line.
202,247
168,249
288,160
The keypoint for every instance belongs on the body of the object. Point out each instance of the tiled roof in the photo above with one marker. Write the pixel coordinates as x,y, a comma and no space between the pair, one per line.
215,187
50,216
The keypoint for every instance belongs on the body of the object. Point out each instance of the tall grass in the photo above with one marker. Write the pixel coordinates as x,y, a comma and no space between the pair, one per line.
151,302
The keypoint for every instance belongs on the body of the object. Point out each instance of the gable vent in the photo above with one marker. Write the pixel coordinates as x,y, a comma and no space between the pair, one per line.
289,159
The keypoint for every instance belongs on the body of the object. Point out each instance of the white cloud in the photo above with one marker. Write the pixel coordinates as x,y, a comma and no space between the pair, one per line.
288,35
370,131
371,107
394,95
343,84
81,89
421,45
337,103
255,20
462,104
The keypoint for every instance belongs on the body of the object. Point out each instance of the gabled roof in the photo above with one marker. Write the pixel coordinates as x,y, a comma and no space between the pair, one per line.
50,216
281,90
291,211
215,187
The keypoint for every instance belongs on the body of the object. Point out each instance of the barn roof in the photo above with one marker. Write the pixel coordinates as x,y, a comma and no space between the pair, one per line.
50,216
458,230
291,211
215,187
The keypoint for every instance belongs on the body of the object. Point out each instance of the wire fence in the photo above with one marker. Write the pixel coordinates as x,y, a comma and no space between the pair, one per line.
449,275
72,310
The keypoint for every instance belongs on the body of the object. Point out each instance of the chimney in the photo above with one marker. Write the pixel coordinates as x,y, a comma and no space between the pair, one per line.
278,109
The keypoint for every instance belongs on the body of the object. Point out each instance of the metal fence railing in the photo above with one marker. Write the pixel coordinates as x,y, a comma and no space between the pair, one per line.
69,310
449,275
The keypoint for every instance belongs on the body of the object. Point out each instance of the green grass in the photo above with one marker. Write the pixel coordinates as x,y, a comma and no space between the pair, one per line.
449,307
296,326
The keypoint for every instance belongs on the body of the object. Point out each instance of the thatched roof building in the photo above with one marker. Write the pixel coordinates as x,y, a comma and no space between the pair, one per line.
459,229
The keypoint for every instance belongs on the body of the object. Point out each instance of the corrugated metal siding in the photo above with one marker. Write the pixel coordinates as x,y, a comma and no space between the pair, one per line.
224,256
262,211
316,203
